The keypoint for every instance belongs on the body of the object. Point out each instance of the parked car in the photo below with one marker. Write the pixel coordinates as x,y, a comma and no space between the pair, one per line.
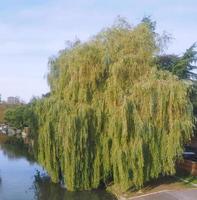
190,153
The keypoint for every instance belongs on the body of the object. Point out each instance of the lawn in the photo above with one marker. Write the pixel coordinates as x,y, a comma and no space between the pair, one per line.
161,184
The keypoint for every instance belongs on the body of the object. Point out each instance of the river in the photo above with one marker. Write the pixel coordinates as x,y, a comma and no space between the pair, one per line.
21,178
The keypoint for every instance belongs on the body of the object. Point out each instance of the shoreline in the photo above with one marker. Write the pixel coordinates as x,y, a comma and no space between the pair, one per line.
164,184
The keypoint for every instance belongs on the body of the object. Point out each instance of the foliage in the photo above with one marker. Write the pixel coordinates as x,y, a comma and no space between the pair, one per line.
161,40
111,114
22,116
3,108
14,117
182,66
193,96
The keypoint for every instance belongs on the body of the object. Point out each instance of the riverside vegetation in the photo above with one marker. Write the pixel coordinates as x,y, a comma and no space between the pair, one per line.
112,116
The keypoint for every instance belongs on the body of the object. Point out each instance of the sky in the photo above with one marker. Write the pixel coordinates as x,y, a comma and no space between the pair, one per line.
31,31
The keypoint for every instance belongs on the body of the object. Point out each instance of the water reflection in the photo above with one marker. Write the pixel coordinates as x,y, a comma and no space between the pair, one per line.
22,179
45,190
16,152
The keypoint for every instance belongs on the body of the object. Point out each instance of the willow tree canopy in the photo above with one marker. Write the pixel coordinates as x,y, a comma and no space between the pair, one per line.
111,115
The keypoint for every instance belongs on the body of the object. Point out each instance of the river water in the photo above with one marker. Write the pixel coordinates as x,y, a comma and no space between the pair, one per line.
21,178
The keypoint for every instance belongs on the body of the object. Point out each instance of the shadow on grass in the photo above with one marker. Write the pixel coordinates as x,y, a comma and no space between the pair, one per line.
153,184
186,176
169,182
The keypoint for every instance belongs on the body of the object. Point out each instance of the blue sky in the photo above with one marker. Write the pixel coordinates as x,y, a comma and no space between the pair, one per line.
33,30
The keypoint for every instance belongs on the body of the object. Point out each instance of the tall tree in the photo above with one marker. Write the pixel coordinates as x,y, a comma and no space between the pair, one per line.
111,114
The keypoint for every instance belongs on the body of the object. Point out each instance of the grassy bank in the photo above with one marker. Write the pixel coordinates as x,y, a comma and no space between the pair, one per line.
161,184
186,177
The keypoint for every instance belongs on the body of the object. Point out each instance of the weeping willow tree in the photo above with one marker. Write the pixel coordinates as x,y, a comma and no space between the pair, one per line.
112,115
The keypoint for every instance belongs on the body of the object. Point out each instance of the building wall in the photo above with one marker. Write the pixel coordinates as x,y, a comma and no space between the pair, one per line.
13,100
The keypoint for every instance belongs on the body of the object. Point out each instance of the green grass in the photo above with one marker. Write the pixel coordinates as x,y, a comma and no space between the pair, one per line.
173,183
187,177
192,179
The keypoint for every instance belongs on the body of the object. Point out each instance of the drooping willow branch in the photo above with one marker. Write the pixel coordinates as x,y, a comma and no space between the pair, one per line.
111,114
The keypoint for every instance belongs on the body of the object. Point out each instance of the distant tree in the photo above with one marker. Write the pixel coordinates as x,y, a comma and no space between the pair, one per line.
14,117
181,66
21,116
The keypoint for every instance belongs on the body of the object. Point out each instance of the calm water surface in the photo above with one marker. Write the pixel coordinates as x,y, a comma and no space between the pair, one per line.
19,180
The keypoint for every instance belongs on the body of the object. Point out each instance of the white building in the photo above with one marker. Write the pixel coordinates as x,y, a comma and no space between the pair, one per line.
13,100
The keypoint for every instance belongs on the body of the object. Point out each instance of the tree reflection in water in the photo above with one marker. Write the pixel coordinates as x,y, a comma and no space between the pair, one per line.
17,152
46,190
41,186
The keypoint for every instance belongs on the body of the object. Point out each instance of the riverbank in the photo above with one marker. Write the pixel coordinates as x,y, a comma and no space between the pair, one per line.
170,183
3,138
